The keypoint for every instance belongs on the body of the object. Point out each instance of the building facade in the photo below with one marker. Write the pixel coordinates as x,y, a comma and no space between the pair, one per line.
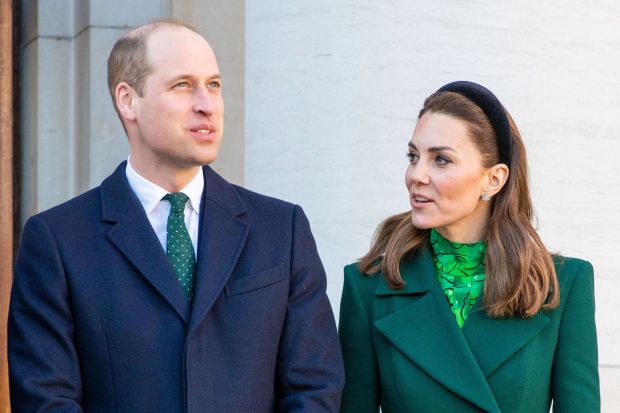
321,99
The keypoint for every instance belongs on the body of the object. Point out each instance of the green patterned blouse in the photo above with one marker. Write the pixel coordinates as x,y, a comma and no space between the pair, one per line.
460,270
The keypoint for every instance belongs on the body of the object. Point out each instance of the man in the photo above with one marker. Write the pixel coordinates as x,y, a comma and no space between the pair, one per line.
167,289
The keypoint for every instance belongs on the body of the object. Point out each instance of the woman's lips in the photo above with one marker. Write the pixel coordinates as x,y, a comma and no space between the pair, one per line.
419,201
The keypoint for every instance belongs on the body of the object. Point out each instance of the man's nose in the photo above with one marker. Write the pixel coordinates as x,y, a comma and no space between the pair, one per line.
204,101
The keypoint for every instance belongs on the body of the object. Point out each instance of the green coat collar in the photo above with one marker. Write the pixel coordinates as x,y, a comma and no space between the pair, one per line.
423,328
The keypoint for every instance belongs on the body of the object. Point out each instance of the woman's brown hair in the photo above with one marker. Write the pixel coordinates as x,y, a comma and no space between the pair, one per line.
520,278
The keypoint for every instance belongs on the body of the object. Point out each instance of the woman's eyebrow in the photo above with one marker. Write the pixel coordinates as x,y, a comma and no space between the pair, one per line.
441,148
434,148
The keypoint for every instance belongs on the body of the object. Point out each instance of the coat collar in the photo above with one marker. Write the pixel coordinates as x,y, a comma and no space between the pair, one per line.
422,327
133,235
222,236
223,232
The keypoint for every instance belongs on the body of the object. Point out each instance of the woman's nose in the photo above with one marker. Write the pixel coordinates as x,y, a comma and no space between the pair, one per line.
417,174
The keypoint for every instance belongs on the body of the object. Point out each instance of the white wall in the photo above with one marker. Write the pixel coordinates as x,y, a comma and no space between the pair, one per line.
333,89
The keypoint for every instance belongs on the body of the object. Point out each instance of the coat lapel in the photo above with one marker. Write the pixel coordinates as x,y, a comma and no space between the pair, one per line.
423,329
133,235
493,340
222,236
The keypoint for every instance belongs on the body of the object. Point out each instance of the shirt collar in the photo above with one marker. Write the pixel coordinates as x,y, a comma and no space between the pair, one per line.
194,190
150,194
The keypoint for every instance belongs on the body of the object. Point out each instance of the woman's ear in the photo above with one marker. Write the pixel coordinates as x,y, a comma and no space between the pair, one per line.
126,100
497,176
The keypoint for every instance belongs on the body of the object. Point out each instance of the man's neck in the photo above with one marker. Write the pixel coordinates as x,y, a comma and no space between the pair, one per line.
171,179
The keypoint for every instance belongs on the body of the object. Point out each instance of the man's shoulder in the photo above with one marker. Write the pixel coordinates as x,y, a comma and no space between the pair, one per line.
236,198
83,204
253,199
89,202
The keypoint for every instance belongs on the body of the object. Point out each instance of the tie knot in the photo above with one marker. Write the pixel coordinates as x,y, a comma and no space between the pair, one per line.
177,201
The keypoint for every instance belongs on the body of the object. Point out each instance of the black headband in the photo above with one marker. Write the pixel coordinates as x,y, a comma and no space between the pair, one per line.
491,106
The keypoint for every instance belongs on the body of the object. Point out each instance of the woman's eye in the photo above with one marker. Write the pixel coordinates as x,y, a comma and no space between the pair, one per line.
442,160
413,157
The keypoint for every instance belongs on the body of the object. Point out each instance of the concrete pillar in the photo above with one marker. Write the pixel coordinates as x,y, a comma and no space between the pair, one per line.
71,136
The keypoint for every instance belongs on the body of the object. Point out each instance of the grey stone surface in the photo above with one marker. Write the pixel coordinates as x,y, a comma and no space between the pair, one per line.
29,129
29,21
81,15
108,143
123,13
46,130
101,142
58,21
55,176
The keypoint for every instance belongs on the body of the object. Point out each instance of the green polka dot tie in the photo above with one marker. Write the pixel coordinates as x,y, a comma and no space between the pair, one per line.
179,244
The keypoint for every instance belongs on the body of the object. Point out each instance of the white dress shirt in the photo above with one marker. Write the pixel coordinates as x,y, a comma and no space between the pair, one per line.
157,210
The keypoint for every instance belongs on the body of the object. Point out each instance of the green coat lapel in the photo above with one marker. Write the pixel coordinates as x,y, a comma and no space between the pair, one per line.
420,325
493,340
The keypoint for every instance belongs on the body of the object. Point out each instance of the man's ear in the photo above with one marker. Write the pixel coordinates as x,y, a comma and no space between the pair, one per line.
497,176
126,101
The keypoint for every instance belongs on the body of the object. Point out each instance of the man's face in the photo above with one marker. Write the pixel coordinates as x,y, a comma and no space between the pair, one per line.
179,120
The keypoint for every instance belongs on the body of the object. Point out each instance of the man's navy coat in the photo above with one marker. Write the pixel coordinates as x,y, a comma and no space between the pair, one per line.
98,321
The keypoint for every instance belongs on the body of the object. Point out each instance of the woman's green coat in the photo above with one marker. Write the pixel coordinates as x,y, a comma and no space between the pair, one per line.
403,350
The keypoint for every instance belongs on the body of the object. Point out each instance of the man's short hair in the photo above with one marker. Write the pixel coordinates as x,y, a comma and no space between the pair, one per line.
128,61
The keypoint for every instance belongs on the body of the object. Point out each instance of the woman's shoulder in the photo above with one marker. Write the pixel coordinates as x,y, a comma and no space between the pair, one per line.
354,277
354,273
571,267
573,271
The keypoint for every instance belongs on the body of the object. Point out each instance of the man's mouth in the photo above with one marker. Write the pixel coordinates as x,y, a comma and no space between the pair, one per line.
203,133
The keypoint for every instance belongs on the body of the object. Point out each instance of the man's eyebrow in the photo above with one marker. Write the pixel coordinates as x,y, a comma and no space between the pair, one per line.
434,148
215,76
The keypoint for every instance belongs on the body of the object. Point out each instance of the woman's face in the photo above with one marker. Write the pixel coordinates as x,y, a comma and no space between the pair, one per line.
446,178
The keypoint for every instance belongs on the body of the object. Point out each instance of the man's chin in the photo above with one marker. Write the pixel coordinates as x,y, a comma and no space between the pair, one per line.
205,157
207,160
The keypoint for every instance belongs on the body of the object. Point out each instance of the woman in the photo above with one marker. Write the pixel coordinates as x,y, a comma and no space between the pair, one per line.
458,306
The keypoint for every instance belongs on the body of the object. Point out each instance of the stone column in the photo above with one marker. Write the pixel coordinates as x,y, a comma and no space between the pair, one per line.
72,138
